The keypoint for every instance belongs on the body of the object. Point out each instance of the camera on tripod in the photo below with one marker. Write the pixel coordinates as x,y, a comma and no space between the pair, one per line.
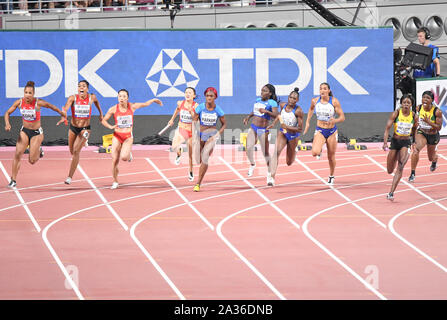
416,57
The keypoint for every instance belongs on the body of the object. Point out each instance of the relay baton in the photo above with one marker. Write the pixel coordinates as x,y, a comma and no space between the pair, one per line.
164,130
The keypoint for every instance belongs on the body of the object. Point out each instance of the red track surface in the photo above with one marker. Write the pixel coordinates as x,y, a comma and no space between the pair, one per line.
154,238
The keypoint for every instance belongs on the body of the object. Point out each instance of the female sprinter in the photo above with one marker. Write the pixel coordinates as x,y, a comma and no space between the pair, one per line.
81,111
265,107
184,132
122,136
326,106
291,119
430,122
208,113
405,124
31,132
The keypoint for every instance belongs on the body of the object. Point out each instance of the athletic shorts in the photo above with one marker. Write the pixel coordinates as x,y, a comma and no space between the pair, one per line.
397,144
32,133
205,135
290,136
122,136
77,131
326,132
259,130
186,134
432,139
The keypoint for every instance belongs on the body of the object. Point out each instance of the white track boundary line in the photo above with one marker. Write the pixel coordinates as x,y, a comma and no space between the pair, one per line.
333,256
147,254
180,194
103,199
408,184
259,193
346,267
342,195
391,227
28,211
54,254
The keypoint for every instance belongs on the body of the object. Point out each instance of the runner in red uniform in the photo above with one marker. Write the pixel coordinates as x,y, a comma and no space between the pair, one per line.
81,112
31,133
184,132
122,135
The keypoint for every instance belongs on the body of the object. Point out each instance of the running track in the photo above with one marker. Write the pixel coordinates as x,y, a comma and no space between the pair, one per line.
153,238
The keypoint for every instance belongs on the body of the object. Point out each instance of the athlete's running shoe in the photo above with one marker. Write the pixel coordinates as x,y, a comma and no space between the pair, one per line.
190,176
41,152
330,180
179,155
114,185
390,196
196,188
411,178
12,184
251,169
433,166
68,180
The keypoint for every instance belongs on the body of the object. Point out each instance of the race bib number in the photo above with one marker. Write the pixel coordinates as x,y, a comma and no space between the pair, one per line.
423,124
404,128
209,119
256,108
124,121
82,111
185,116
323,116
28,114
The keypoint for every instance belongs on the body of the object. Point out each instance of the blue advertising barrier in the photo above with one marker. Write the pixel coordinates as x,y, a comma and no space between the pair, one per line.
356,62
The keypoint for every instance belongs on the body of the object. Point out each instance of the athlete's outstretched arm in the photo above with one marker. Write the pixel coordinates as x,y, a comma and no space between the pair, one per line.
138,105
389,123
45,104
96,102
310,114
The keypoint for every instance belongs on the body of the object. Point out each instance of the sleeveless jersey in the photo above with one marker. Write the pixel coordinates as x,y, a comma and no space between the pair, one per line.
324,111
30,112
82,108
260,104
289,118
403,124
185,115
124,119
431,115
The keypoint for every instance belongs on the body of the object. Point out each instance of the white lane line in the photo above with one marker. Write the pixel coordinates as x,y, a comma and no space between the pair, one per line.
54,254
245,260
103,199
148,255
422,253
333,256
345,266
408,184
274,206
19,196
342,195
180,194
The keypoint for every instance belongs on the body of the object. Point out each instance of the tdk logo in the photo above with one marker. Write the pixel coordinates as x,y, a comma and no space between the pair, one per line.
171,73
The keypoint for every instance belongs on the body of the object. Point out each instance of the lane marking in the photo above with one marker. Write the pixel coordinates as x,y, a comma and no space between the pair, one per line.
408,184
180,194
103,199
259,193
342,195
19,196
